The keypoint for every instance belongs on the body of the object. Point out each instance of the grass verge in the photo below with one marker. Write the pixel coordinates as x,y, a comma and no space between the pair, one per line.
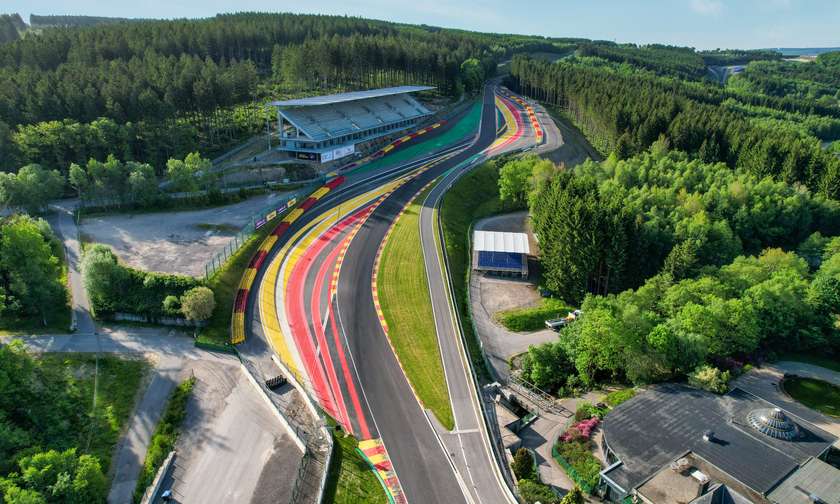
532,318
115,381
816,394
224,283
165,436
474,196
349,479
404,295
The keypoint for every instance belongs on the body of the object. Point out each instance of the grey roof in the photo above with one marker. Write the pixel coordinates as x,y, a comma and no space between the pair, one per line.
351,96
814,478
666,421
331,120
721,494
497,241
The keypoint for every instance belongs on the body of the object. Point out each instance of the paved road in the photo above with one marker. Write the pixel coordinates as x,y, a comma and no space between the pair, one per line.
468,445
385,397
65,226
423,468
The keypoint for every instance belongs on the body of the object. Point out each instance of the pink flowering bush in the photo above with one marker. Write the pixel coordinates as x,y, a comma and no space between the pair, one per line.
580,431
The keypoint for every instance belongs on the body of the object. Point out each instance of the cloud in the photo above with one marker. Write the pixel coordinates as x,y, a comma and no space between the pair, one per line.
707,7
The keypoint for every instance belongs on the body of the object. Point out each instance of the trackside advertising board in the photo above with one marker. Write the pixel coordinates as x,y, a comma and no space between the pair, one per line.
274,213
338,153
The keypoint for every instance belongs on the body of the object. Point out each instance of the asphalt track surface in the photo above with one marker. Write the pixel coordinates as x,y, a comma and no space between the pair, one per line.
353,369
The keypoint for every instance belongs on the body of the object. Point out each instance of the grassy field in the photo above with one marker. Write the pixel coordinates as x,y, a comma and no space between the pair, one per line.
817,394
817,360
473,197
117,383
533,318
404,295
224,284
350,480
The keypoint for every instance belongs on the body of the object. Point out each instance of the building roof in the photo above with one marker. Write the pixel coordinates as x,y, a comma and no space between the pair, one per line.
496,241
347,97
721,494
666,421
814,478
331,120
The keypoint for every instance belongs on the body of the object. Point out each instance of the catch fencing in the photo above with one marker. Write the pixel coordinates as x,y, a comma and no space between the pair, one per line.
255,222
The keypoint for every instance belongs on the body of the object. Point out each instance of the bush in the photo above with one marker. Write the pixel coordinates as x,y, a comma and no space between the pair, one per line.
198,303
586,410
613,399
580,431
710,378
523,465
578,455
113,287
575,496
165,436
172,305
532,492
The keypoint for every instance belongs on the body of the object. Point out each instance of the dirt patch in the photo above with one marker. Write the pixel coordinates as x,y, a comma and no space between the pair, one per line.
173,242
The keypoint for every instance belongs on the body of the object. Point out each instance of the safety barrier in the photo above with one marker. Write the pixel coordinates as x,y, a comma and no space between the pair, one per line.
255,222
240,303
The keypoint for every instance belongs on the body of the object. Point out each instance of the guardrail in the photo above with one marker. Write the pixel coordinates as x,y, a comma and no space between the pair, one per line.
255,222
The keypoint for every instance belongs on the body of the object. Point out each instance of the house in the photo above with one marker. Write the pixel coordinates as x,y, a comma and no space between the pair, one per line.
675,444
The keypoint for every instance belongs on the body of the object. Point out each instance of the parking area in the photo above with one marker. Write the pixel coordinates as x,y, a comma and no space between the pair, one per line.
233,449
173,242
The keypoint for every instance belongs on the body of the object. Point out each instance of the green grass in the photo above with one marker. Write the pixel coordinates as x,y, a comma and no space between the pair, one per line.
225,282
404,294
617,397
816,394
468,124
117,384
818,360
350,480
533,318
165,436
473,197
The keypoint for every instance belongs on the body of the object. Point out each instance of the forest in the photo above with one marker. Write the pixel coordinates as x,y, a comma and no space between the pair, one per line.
624,112
151,90
677,264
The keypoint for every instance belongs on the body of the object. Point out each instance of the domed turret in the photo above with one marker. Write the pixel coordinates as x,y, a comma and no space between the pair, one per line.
774,423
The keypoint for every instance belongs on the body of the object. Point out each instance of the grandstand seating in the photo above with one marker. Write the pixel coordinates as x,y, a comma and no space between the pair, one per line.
323,122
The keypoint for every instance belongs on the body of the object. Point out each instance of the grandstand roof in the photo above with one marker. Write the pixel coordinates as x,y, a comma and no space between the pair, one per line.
495,241
351,96
336,119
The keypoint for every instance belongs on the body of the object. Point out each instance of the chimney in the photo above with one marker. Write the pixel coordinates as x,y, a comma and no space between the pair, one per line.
708,436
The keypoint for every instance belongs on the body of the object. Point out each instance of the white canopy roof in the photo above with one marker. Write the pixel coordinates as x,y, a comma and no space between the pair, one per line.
495,241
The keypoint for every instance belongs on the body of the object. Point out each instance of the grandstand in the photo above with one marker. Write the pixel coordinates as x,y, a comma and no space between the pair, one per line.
326,128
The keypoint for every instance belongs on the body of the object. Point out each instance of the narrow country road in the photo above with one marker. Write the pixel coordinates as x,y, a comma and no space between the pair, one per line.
64,224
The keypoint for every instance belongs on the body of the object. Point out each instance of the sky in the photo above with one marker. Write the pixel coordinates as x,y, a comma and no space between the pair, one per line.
703,24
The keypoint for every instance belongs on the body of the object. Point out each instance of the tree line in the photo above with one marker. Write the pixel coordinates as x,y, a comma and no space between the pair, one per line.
704,327
30,271
606,227
626,113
